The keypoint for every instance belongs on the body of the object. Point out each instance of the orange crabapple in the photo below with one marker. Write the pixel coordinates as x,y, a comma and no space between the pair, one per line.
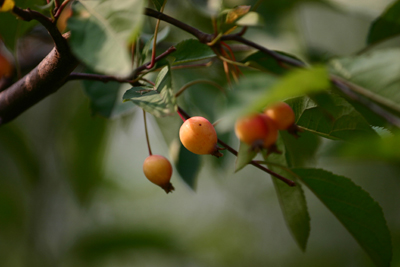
282,114
158,170
198,135
256,130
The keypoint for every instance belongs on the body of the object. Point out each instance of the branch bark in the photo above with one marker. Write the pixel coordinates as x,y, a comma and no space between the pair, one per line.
42,81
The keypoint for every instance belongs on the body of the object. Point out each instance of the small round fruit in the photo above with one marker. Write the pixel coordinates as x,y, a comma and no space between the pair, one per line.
272,135
158,170
282,114
251,129
198,135
6,68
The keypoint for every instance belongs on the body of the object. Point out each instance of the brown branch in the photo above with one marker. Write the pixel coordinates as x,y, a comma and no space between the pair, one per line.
202,36
43,80
28,15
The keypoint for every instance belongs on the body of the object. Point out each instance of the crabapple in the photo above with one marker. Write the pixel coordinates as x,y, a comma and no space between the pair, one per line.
282,114
272,135
158,170
256,130
198,135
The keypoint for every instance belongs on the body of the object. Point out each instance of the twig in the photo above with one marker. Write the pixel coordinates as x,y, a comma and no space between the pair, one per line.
390,118
202,36
28,15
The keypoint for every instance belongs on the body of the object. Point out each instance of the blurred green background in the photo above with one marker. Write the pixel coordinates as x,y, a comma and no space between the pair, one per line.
72,191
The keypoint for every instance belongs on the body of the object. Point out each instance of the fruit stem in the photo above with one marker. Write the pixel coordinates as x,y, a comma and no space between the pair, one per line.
153,53
180,114
147,133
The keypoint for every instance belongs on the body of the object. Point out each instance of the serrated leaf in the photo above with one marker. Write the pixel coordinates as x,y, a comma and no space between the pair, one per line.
265,62
158,4
191,50
377,73
292,200
355,209
101,32
245,155
250,19
236,13
386,25
343,122
160,100
106,98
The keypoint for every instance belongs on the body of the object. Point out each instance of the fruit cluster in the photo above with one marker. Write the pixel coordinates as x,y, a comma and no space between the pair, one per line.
261,130
198,136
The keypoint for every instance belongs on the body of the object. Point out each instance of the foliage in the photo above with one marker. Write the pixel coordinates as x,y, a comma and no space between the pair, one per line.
339,102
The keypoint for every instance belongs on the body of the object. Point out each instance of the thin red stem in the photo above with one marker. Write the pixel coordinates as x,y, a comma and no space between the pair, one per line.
147,134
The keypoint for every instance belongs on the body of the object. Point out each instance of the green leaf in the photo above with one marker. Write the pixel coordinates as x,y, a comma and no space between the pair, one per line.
106,98
355,209
265,62
300,151
188,166
295,83
191,50
343,122
386,25
158,4
254,93
245,155
101,32
160,100
291,199
376,74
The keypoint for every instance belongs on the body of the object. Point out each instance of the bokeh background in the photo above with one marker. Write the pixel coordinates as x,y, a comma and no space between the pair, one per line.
72,191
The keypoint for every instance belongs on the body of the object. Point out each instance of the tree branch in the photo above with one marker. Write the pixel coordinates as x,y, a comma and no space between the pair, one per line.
202,36
43,80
